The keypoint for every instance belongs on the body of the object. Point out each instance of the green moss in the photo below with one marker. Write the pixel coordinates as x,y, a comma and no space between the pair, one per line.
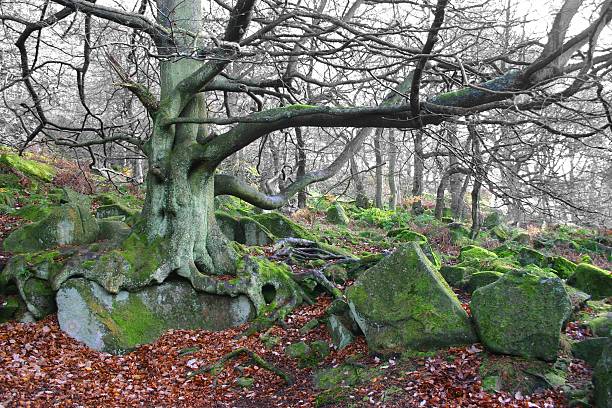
563,267
475,252
522,313
480,279
404,303
595,281
299,106
528,256
135,323
335,214
143,256
33,212
32,168
283,227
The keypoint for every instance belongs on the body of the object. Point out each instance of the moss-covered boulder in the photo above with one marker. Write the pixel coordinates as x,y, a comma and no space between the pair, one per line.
595,281
308,354
602,379
591,349
522,314
475,252
600,324
480,279
28,167
117,323
404,303
528,256
68,224
500,233
114,210
113,230
563,267
282,227
407,235
8,308
243,230
335,214
27,275
341,335
459,232
456,276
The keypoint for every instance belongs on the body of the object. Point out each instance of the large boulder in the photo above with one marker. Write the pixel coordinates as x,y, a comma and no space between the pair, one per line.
404,303
28,167
335,214
120,322
522,313
243,230
595,281
68,224
283,227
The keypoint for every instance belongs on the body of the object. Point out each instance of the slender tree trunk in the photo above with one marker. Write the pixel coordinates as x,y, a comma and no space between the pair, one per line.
361,199
301,165
379,168
477,181
417,180
391,177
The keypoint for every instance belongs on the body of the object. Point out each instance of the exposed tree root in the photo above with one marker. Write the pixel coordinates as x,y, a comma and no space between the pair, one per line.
304,250
320,278
255,358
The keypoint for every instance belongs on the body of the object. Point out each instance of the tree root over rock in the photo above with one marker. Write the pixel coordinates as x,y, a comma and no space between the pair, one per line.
254,357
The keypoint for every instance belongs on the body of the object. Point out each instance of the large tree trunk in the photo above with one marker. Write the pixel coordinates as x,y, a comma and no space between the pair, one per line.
179,204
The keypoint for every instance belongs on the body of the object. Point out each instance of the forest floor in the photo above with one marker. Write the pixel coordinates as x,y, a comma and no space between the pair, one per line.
41,366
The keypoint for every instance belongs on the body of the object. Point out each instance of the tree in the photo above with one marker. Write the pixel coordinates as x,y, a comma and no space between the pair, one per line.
187,143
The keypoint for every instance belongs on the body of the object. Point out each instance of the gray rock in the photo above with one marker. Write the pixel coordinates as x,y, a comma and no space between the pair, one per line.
118,323
340,334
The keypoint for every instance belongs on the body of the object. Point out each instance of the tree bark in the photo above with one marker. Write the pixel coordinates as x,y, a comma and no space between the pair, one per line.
361,199
391,176
379,168
301,165
417,180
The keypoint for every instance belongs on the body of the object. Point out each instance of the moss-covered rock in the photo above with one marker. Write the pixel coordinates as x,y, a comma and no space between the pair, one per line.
456,276
602,379
117,323
522,237
28,167
492,220
282,227
509,249
522,314
480,279
475,252
563,267
595,281
114,210
113,230
407,235
308,354
8,308
591,349
28,275
528,256
500,233
459,232
68,224
601,324
340,334
516,374
244,230
335,214
404,303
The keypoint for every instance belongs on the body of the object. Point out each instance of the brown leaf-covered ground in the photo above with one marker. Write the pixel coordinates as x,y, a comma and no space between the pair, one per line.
42,366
